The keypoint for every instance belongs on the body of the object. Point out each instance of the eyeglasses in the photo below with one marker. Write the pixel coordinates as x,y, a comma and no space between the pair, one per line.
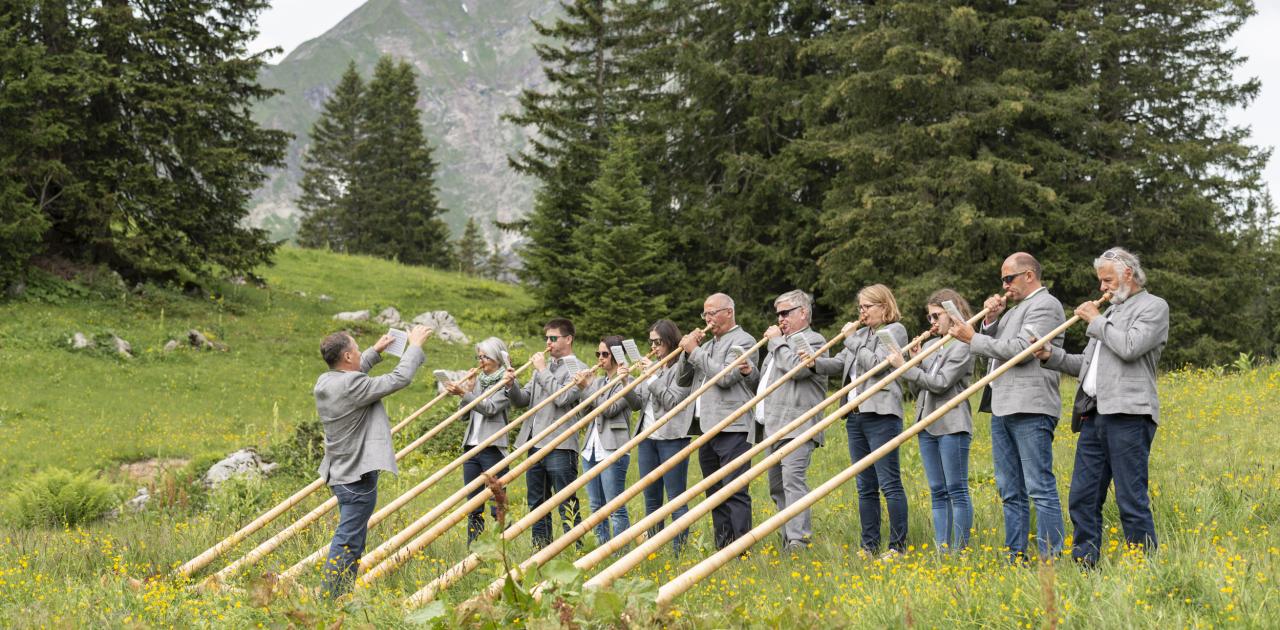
933,317
710,314
655,342
481,357
552,338
787,312
862,308
1010,278
604,355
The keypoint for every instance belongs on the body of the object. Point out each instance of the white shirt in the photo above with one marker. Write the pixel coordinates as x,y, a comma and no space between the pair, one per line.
473,431
595,450
1090,383
764,384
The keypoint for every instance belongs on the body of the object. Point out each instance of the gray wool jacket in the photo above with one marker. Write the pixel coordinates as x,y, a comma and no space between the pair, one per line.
614,423
730,392
1027,387
940,377
544,383
792,399
662,393
488,417
1132,335
357,431
864,350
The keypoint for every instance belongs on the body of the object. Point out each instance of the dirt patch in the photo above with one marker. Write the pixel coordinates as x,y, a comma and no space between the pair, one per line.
148,469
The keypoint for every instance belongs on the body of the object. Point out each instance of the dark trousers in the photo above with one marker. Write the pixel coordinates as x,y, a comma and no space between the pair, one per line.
356,501
867,432
480,462
550,475
731,519
1111,447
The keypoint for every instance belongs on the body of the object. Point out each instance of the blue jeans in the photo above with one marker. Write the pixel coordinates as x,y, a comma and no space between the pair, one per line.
480,462
356,501
602,489
867,432
1022,449
651,454
946,465
1112,446
548,476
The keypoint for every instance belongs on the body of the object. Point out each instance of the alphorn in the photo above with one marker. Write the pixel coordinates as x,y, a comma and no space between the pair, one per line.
472,561
417,544
293,572
270,544
698,572
212,553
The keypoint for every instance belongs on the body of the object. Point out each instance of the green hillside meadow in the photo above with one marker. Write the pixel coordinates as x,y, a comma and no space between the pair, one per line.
1215,482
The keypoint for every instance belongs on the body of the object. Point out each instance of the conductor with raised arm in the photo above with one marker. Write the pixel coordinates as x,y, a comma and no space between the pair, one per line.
357,439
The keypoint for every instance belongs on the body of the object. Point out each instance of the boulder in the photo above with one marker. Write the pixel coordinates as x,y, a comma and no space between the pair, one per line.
171,346
122,347
445,326
79,341
352,316
389,316
324,298
198,340
139,501
245,461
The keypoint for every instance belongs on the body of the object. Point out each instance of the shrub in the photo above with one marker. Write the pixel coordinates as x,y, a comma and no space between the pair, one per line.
60,498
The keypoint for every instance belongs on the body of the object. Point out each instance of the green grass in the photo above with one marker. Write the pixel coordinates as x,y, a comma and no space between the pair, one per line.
1215,483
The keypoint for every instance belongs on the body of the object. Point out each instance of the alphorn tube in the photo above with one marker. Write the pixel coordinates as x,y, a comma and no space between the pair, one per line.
270,544
212,553
419,543
293,572
698,572
469,564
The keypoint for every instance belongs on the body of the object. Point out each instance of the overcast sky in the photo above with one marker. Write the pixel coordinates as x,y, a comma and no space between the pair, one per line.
290,22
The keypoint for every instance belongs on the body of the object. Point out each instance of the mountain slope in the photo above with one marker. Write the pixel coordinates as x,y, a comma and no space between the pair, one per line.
473,58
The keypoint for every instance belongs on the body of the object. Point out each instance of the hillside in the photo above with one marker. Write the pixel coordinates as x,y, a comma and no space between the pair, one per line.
472,57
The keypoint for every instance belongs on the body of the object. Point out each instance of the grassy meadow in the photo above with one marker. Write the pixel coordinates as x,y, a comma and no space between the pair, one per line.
1215,483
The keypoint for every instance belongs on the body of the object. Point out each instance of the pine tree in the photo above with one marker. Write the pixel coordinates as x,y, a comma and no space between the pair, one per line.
394,208
495,265
621,259
471,249
329,165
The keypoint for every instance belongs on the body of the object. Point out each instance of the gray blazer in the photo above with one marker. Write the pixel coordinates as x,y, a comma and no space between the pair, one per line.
664,393
939,378
490,415
864,348
614,423
357,431
792,399
731,391
559,372
1133,334
1027,387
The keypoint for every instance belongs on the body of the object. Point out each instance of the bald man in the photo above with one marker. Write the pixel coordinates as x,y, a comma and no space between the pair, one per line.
1025,404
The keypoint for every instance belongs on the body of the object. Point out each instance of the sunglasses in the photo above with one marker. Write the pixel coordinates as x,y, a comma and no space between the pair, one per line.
655,342
1010,278
934,317
604,355
552,338
787,312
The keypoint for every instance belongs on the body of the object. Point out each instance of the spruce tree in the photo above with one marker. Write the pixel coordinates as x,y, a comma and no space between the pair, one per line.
395,213
329,165
621,257
471,249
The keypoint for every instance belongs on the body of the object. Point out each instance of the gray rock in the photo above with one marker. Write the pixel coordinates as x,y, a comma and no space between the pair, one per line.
324,298
389,316
445,326
198,340
516,344
236,280
245,461
79,341
352,316
122,347
139,501
171,346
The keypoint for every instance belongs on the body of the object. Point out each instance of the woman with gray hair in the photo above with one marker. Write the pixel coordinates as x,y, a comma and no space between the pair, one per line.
489,416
